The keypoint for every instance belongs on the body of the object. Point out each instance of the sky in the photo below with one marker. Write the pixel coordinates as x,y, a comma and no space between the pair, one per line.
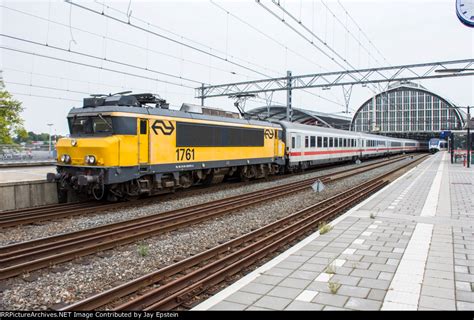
59,53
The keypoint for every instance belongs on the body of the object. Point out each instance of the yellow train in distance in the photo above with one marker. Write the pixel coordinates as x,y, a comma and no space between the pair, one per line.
120,147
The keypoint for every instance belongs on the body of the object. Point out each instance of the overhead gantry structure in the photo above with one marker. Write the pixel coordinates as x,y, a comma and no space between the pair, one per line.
345,79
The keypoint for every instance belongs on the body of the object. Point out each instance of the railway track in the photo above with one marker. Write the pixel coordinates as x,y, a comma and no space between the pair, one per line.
44,213
178,283
36,254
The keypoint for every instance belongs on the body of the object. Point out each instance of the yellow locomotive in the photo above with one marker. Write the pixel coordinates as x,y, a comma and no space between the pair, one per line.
120,146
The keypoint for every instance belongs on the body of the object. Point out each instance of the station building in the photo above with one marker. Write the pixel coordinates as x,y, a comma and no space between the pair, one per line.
408,110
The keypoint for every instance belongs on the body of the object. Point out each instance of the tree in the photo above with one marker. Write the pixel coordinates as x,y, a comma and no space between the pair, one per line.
11,123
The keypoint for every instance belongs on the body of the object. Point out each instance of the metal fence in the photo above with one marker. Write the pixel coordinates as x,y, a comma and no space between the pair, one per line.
19,153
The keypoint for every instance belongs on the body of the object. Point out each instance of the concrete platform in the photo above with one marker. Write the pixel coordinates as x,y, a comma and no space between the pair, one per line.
31,163
26,187
408,247
22,174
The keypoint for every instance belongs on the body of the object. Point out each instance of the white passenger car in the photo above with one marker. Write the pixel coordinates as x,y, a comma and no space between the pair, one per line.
310,145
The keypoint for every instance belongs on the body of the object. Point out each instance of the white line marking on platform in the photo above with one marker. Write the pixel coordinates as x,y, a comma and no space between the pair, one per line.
307,295
349,251
339,262
222,295
405,287
324,277
431,203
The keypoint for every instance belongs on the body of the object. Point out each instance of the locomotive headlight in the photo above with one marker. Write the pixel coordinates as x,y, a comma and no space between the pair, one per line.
73,142
65,158
90,160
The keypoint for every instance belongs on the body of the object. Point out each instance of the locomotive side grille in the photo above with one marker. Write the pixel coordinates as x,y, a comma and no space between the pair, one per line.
205,135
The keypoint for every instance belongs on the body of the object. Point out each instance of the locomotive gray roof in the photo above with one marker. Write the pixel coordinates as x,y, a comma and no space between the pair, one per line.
298,126
166,113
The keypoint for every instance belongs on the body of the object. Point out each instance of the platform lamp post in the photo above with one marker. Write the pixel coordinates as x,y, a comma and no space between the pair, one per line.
468,123
468,142
49,125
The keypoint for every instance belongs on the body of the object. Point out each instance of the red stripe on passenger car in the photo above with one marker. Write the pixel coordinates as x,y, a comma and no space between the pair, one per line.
311,153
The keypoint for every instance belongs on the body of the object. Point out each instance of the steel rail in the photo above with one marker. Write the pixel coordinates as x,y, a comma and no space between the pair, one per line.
161,275
34,255
174,293
49,212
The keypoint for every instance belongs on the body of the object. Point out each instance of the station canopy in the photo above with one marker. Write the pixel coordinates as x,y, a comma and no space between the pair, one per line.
303,116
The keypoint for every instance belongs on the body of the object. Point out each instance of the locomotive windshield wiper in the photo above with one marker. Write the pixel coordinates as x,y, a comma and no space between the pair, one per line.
108,124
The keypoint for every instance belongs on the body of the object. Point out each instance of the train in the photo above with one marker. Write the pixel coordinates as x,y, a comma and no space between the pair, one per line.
436,145
127,145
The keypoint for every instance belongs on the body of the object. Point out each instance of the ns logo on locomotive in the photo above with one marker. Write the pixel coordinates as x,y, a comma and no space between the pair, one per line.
127,145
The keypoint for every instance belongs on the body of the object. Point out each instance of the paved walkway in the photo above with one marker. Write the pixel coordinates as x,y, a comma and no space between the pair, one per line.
408,247
11,175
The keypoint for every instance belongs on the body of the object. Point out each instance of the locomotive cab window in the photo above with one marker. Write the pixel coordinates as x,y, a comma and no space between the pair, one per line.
101,125
280,135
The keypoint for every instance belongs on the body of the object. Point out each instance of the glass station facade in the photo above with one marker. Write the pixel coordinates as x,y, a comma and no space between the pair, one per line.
405,109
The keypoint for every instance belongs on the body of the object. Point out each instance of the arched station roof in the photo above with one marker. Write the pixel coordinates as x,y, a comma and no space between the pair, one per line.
278,113
407,110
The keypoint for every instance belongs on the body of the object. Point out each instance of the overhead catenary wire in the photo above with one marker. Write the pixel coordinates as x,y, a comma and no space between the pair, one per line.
43,96
300,34
89,83
50,88
98,58
46,87
266,35
314,35
107,37
348,31
332,58
344,60
279,43
363,33
124,73
167,38
306,38
93,66
211,49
